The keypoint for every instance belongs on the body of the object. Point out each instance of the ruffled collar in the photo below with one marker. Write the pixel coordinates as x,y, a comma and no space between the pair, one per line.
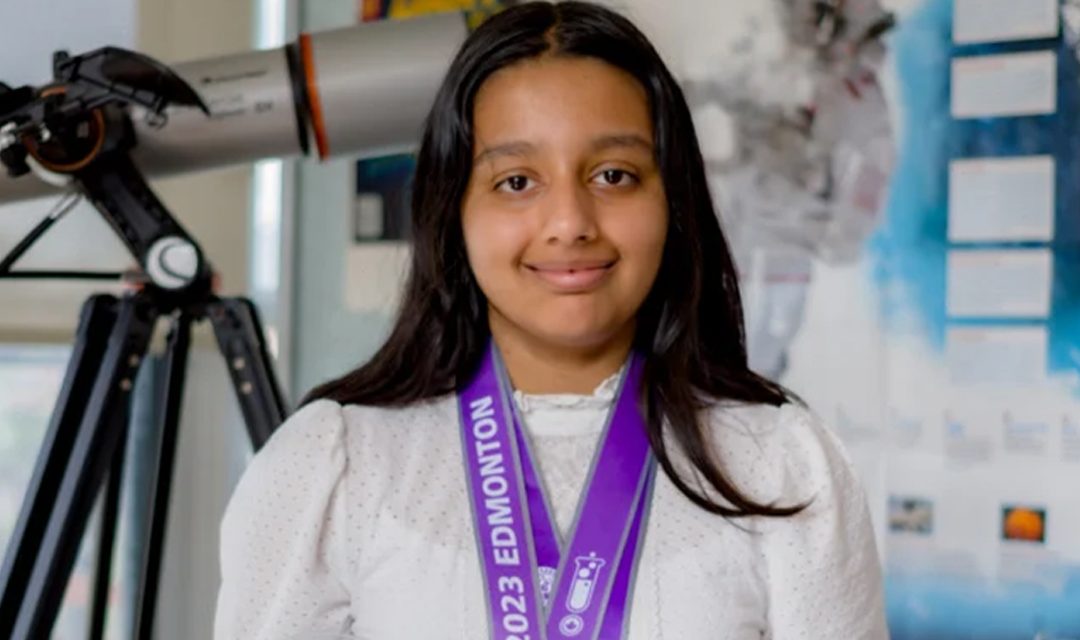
601,398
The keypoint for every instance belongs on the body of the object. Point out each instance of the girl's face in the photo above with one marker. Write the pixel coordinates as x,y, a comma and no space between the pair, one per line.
565,214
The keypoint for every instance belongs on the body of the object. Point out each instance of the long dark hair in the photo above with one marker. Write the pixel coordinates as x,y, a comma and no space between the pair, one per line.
690,328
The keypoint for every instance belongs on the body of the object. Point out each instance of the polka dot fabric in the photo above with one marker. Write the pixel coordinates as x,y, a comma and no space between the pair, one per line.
354,522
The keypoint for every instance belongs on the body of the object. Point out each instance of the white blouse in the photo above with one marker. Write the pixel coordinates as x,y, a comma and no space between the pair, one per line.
354,522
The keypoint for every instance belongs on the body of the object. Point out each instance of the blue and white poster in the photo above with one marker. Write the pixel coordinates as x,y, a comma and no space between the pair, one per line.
935,322
976,266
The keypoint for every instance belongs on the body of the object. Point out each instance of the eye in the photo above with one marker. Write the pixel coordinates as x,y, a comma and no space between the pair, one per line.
513,184
617,177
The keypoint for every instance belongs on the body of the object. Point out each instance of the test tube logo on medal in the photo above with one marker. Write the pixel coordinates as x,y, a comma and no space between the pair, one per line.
586,572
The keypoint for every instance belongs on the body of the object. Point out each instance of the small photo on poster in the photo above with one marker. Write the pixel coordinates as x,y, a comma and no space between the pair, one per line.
1023,523
381,199
911,515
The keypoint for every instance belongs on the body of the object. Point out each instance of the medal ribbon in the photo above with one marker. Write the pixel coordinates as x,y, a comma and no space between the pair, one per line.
538,588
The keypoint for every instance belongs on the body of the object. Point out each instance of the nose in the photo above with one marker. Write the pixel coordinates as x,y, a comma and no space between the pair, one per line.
570,214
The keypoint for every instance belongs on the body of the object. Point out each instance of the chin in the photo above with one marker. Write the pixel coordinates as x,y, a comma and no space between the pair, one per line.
569,324
575,336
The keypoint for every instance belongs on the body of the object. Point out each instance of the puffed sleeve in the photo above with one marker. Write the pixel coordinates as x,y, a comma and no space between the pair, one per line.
282,536
823,568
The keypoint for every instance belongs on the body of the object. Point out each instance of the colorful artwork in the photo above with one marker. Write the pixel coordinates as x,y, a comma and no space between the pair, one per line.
476,11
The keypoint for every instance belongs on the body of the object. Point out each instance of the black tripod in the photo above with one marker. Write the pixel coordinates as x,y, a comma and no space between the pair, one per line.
80,127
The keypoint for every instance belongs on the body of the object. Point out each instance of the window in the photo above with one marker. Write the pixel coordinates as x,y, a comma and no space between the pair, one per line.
30,381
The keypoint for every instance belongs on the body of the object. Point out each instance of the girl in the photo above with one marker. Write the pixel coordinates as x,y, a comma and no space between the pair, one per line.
561,437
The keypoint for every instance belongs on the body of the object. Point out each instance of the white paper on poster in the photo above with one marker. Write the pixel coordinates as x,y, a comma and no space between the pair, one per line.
1001,199
1003,20
997,355
1011,283
1013,84
375,276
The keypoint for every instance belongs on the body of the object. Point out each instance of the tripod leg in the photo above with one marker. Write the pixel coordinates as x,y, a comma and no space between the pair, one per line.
96,321
110,515
97,437
176,364
242,343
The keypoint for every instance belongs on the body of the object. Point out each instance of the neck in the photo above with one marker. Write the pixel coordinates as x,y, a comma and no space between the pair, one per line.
537,367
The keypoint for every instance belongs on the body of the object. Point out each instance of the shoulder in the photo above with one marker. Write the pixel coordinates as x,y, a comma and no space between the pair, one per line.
388,440
309,458
322,426
784,454
304,456
373,448
283,537
314,427
822,565
421,416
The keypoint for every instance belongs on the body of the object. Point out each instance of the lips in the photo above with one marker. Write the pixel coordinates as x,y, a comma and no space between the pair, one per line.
572,276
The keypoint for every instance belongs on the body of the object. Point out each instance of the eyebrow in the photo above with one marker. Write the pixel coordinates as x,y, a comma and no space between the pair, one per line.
601,143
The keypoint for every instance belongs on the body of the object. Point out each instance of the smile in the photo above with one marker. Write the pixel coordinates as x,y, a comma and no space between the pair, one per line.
571,277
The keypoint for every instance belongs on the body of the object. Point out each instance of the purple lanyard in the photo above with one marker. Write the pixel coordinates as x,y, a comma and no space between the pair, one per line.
589,582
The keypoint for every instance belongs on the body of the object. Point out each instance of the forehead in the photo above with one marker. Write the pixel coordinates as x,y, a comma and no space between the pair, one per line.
559,98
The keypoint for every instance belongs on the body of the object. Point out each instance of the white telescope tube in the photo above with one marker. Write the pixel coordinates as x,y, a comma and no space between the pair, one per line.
362,90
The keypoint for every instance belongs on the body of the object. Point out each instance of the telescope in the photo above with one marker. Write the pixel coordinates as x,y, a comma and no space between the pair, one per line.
108,120
358,91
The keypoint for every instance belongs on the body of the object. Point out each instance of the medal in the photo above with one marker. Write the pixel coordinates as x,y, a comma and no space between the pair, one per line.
539,587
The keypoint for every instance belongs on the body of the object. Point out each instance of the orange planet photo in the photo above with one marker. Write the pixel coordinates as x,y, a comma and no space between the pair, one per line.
1023,523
